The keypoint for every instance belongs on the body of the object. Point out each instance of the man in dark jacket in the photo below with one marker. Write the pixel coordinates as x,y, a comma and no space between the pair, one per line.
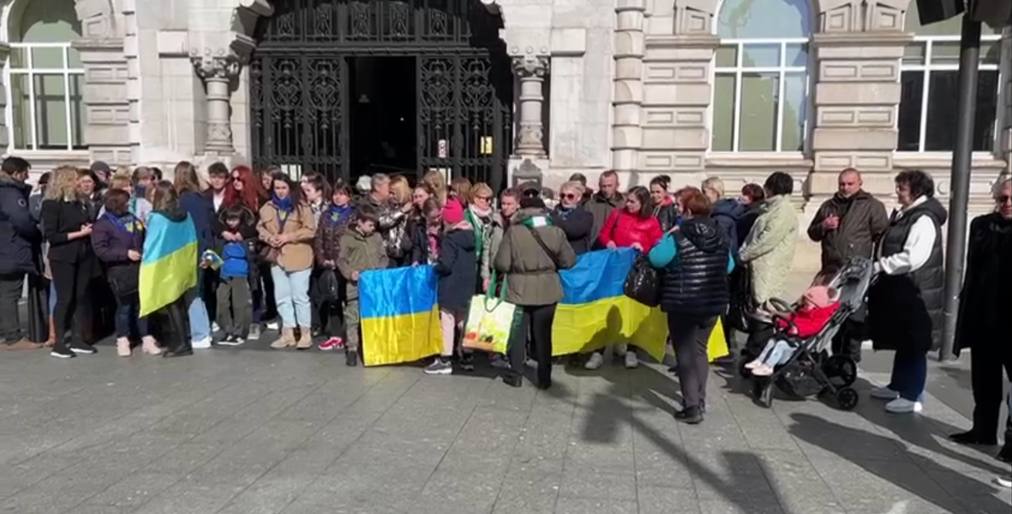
604,201
19,247
848,225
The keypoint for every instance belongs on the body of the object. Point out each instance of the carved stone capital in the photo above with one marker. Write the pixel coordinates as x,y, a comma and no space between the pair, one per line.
221,67
530,65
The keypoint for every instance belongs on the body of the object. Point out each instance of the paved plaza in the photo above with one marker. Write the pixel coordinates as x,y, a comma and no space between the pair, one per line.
250,430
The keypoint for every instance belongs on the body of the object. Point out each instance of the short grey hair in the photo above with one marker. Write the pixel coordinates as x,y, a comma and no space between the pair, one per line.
714,184
379,179
999,185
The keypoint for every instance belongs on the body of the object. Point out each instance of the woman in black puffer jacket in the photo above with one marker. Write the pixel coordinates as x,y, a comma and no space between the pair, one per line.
694,259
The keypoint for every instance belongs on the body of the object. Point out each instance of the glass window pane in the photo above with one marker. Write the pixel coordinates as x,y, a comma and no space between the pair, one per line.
77,109
797,55
754,56
759,111
941,122
990,52
51,111
911,93
723,113
987,109
727,56
764,19
945,52
47,57
19,57
795,108
913,54
74,58
20,109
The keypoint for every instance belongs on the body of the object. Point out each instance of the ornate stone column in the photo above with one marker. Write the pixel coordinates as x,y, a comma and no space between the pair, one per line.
218,72
627,101
530,71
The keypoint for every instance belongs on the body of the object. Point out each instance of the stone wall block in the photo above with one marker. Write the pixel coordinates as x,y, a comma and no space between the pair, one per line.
840,16
690,94
833,162
675,72
627,137
844,93
674,117
623,158
845,70
885,15
675,138
871,116
865,138
628,69
628,91
628,115
694,16
661,162
629,44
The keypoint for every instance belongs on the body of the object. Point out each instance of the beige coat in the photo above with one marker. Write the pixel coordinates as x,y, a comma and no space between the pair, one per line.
769,248
298,254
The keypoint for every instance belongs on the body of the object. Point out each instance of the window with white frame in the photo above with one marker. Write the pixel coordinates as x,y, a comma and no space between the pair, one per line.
929,83
760,91
45,77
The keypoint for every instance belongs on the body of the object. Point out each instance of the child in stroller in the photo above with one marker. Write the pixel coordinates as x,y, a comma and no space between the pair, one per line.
817,306
803,365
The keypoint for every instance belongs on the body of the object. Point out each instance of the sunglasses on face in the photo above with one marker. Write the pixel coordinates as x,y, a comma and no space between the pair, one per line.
1004,198
486,198
570,196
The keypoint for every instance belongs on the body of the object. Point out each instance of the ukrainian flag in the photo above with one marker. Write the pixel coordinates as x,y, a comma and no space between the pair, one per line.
595,312
400,316
169,262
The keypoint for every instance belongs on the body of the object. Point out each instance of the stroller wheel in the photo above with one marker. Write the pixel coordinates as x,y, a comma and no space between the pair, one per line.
847,398
841,370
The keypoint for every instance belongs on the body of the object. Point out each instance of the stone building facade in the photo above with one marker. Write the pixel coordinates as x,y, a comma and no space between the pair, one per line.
688,88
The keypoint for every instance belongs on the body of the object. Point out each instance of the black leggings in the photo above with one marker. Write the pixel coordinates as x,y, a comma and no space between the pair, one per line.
71,282
537,321
690,335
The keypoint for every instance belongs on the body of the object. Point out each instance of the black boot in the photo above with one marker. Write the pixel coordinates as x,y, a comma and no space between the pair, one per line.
1005,455
690,415
973,436
512,379
351,358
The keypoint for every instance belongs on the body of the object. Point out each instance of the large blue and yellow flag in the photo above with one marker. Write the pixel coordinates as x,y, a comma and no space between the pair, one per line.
169,262
400,316
594,311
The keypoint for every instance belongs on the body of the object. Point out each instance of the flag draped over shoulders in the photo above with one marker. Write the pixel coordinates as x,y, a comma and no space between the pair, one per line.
169,262
400,316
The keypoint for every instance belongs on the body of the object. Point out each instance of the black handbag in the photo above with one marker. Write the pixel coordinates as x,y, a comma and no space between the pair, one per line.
642,283
328,287
742,305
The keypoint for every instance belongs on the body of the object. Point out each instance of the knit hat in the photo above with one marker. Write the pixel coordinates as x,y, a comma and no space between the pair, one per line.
820,296
532,203
100,167
364,184
453,212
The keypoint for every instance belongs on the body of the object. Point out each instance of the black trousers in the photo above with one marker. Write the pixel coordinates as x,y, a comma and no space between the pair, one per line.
690,335
536,325
71,281
11,286
986,363
175,334
759,334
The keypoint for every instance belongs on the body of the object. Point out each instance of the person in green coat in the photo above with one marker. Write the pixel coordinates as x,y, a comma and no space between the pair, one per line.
531,254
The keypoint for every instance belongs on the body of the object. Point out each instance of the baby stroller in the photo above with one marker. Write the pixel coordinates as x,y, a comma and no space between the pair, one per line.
811,370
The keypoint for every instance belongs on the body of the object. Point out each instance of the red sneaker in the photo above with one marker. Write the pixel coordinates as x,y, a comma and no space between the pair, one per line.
331,344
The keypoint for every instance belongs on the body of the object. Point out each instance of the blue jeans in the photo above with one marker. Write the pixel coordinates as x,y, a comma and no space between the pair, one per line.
126,317
200,324
777,352
291,293
910,372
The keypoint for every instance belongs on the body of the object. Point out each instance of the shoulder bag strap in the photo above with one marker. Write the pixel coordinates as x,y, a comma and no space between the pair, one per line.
541,243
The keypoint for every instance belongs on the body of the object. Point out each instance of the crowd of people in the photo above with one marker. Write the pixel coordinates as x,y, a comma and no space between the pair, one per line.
287,255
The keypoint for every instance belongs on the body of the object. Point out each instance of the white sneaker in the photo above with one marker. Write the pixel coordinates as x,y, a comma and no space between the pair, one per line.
631,360
273,325
215,327
903,406
202,344
1005,482
595,361
884,393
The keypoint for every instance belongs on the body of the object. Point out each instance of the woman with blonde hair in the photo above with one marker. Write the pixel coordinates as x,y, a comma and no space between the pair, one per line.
201,211
66,225
437,183
488,229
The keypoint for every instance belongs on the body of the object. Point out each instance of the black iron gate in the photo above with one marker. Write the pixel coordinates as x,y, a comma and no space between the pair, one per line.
299,83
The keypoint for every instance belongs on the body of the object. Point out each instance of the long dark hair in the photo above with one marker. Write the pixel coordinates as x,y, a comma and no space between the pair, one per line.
294,190
164,197
642,195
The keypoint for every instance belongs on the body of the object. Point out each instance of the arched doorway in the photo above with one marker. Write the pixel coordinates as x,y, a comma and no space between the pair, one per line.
346,87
